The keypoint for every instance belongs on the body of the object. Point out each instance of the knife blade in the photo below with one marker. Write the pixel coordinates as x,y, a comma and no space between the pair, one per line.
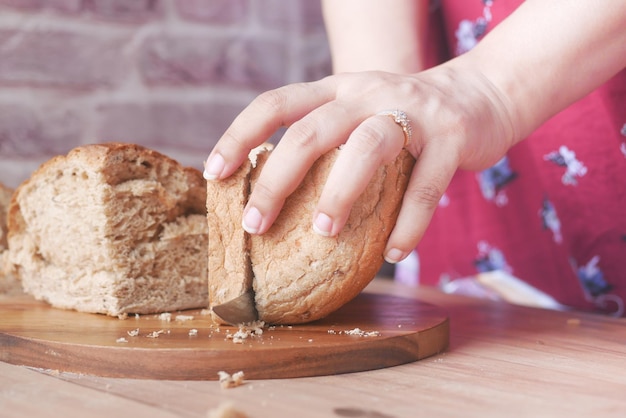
237,311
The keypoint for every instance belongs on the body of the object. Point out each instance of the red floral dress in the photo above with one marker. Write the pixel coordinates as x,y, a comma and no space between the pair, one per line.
551,214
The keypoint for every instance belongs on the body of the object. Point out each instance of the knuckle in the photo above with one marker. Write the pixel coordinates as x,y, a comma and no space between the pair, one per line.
303,133
370,139
264,192
407,87
271,102
234,138
425,195
334,201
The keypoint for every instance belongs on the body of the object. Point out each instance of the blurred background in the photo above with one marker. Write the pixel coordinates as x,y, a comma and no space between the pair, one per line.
167,74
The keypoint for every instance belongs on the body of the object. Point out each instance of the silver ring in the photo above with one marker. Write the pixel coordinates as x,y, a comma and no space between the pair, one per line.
403,122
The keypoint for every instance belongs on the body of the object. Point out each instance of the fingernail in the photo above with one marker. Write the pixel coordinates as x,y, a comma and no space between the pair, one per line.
252,219
394,255
323,225
213,167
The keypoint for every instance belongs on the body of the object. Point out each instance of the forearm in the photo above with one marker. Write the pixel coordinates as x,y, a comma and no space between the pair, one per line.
548,54
376,35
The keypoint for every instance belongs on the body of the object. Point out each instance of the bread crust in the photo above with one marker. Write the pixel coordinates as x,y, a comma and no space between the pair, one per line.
5,199
8,282
111,228
299,276
230,273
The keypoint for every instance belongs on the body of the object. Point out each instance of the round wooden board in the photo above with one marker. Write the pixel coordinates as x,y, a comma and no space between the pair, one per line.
34,334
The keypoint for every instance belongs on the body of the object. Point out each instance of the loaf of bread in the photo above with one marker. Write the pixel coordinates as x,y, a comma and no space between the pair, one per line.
298,276
8,282
5,198
112,229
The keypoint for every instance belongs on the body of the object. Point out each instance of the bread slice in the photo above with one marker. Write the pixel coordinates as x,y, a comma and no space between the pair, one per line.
8,282
5,198
113,229
299,276
230,272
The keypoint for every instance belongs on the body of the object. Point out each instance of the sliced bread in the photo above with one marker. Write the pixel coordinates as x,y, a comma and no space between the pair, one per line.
113,229
8,282
298,276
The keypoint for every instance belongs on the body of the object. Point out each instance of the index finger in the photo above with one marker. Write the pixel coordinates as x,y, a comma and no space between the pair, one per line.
260,119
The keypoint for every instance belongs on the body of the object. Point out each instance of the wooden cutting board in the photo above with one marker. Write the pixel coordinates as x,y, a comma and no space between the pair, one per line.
371,332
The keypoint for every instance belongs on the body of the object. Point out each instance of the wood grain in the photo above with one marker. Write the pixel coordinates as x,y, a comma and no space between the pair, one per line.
34,334
502,360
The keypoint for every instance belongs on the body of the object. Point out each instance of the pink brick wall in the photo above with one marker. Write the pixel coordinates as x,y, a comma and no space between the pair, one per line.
168,74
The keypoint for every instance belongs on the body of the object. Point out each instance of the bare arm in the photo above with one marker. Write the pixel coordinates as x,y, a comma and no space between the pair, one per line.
548,54
376,35
465,113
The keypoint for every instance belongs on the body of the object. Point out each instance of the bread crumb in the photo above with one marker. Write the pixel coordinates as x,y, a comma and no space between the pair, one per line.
155,334
245,331
360,333
122,316
205,312
225,410
228,381
254,153
183,318
165,316
133,332
121,340
356,332
193,332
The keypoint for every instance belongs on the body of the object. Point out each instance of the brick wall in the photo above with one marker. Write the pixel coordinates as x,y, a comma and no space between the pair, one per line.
168,74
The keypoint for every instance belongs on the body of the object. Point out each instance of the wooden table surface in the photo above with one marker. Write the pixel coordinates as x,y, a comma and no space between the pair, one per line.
503,360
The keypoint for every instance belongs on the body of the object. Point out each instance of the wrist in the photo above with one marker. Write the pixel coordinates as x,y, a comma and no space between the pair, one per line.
538,66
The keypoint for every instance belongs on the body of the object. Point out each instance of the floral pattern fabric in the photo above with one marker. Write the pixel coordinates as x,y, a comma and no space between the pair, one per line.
552,212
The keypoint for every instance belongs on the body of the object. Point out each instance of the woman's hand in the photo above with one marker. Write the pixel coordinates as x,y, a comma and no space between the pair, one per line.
458,120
